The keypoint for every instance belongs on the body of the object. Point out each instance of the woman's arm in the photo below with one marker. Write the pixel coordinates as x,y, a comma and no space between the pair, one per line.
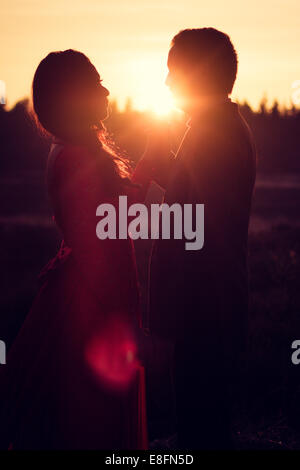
156,162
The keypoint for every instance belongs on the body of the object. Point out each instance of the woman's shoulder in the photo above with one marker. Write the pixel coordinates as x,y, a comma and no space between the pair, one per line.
72,166
72,154
74,158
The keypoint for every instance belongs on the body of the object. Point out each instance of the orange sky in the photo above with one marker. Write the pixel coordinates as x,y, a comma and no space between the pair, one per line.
128,42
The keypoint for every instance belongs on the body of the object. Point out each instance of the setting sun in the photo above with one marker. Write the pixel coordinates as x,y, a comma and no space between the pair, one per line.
151,91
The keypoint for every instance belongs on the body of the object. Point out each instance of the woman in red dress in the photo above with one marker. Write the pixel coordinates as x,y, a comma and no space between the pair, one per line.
73,379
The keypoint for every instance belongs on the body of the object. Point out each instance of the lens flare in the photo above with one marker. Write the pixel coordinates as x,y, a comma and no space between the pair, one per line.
111,354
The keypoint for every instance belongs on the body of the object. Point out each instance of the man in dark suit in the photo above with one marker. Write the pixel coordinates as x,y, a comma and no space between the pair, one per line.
200,297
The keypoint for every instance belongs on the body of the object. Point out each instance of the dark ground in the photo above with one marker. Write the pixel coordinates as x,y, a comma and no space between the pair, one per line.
267,410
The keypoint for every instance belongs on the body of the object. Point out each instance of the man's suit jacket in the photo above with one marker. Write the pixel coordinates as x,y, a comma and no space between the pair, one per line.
204,294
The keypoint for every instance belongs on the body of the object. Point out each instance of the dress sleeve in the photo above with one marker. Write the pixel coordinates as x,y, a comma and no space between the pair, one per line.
107,266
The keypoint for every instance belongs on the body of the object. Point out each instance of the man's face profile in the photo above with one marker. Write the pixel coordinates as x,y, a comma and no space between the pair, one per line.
177,79
185,80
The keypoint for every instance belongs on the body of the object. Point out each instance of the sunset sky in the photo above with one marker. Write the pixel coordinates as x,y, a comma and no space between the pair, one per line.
128,41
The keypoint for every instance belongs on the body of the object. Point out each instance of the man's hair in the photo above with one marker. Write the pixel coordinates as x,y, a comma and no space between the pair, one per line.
212,49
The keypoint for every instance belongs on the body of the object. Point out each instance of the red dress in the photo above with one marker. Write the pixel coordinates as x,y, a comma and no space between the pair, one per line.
72,378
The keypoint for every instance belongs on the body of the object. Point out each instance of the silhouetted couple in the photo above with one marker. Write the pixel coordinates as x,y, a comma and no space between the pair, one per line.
73,378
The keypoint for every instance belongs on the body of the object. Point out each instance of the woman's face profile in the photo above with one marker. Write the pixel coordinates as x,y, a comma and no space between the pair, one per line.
93,101
100,102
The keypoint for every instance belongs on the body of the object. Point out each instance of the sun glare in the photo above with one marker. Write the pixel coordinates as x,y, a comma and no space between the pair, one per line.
151,92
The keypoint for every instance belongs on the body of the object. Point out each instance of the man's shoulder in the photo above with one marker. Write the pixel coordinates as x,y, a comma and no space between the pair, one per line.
221,138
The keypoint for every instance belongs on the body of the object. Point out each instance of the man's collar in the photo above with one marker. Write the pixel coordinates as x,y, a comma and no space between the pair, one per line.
211,110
